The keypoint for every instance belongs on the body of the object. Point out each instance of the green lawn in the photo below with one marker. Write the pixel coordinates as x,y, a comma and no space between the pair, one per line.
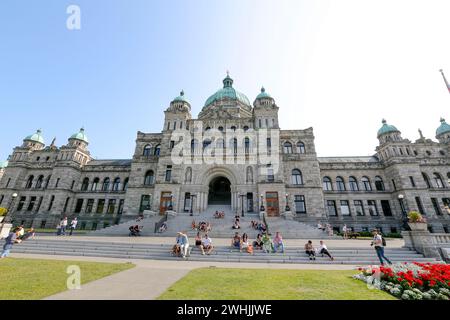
32,279
264,284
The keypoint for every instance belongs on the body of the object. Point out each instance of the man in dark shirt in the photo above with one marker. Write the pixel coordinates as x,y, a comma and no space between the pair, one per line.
10,240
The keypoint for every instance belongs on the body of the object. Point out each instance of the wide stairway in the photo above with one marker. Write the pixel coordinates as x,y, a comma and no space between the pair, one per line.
124,250
221,228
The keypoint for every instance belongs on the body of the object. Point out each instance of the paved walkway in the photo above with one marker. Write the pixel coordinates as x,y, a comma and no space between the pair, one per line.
150,278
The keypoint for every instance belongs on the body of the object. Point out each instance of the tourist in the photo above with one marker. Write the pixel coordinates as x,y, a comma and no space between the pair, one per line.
10,240
324,250
21,231
278,242
310,251
198,241
184,244
320,226
206,244
236,241
64,223
29,234
58,229
267,243
345,231
245,244
378,242
236,224
73,225
258,243
163,227
193,225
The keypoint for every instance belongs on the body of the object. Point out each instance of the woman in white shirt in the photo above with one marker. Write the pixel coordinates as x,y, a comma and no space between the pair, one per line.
324,250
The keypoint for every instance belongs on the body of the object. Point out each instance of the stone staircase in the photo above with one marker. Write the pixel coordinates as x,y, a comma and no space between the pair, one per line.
76,247
221,228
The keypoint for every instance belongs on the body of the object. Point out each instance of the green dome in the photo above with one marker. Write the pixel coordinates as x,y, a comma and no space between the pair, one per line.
37,137
80,136
443,128
228,92
263,94
181,98
386,128
3,164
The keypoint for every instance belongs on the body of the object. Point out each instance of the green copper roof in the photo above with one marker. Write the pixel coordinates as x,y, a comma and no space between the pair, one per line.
263,94
3,164
386,128
80,136
37,137
443,128
181,97
228,92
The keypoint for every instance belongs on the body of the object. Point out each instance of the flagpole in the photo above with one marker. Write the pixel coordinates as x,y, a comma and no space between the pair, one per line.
445,79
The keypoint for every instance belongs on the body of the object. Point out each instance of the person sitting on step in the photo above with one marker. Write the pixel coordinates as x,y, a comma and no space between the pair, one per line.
245,244
193,225
258,243
198,240
278,242
206,245
236,224
163,227
267,243
236,241
310,251
324,250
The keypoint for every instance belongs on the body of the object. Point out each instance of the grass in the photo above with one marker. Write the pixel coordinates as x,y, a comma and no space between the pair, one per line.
265,284
32,279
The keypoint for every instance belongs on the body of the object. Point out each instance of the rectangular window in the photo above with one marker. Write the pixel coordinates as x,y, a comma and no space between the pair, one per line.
331,207
21,203
66,205
174,125
50,206
72,185
121,204
7,183
39,204
79,205
89,206
172,144
270,174
373,209
359,207
100,206
259,122
57,182
413,183
168,125
94,226
345,208
393,184
386,207
436,207
1,199
145,203
168,173
419,206
111,206
300,205
31,204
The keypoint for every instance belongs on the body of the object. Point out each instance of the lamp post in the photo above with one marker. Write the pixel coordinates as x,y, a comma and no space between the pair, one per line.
287,203
242,203
11,204
262,203
404,211
193,196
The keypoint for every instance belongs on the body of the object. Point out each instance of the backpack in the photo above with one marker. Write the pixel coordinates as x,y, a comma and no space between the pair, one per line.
383,241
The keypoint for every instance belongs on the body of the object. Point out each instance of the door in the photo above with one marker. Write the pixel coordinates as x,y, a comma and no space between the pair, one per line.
166,200
272,204
249,202
187,202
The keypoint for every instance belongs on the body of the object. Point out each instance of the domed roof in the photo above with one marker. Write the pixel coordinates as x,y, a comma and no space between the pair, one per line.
80,136
443,128
263,94
228,92
36,137
181,98
3,164
386,128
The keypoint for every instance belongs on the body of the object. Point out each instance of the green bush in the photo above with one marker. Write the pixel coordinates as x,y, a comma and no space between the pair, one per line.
3,212
394,235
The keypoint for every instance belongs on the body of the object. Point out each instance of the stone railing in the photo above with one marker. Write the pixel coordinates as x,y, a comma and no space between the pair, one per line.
426,243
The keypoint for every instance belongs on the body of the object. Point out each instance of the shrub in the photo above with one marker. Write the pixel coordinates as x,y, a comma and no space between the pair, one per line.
3,212
416,217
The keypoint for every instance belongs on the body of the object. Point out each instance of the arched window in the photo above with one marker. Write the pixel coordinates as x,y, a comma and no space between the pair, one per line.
158,150
188,177
95,184
194,146
301,147
116,184
379,184
296,177
29,182
287,147
39,182
247,145
234,145
246,128
233,128
340,184
85,184
105,186
149,178
47,182
208,128
366,184
206,143
221,129
427,180
438,180
147,150
220,147
125,184
353,184
326,184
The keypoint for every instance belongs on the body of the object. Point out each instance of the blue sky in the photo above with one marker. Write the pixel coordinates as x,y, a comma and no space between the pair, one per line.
338,66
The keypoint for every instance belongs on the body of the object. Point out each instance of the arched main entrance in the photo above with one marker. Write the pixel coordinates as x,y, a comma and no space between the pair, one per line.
219,191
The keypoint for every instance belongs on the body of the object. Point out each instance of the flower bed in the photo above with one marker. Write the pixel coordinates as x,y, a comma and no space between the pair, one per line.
410,281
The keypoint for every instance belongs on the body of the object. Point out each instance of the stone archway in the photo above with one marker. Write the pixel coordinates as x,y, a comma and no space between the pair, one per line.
219,191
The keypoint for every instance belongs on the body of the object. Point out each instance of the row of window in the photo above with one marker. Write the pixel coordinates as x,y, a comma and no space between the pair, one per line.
353,184
105,185
359,208
287,147
111,206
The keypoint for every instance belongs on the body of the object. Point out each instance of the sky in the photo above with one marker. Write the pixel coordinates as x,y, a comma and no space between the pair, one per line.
337,66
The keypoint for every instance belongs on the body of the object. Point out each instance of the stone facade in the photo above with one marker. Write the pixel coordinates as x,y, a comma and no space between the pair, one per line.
236,155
